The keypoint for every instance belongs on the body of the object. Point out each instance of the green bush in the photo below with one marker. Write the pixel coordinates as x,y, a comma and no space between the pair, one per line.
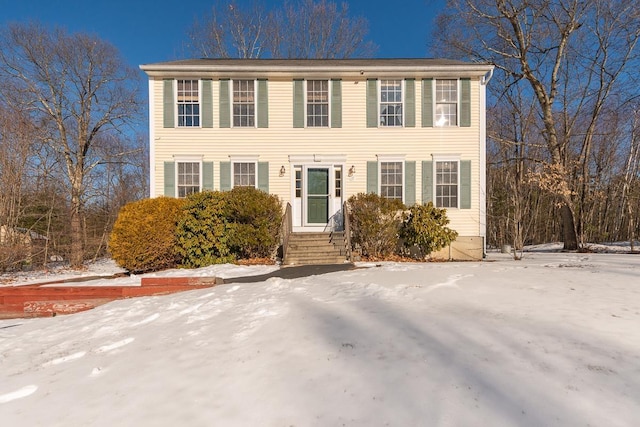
256,217
143,237
426,227
203,232
375,224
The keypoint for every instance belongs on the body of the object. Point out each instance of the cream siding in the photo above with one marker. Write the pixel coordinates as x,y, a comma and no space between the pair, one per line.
357,143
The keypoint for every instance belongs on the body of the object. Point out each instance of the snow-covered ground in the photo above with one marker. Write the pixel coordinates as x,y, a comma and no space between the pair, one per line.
551,340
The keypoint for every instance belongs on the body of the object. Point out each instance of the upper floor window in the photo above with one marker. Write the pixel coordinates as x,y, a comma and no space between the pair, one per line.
446,103
244,174
390,103
244,104
188,103
317,103
447,184
391,180
188,178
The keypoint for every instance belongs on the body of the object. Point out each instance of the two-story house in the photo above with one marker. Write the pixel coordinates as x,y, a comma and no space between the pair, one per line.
315,132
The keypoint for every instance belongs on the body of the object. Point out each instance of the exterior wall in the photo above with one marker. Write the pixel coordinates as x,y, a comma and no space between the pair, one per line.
354,142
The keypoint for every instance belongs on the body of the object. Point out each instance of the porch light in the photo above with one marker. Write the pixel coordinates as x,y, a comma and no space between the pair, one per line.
352,170
282,171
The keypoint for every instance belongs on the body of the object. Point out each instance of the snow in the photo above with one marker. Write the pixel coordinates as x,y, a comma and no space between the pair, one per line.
552,339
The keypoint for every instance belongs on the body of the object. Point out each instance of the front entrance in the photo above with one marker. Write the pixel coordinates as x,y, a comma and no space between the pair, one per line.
317,197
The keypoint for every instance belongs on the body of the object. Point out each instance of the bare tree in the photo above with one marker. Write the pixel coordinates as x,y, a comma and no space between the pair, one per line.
231,31
16,144
303,29
576,56
319,30
78,87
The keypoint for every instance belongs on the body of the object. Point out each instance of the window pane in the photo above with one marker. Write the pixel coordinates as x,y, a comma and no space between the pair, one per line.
447,184
391,180
446,103
298,182
188,103
243,103
391,103
317,103
188,178
244,174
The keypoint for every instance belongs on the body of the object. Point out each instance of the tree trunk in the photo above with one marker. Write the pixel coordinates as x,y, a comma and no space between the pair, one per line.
568,229
77,254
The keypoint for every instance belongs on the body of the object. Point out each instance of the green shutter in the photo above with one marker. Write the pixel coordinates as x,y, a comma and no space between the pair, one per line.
427,102
336,103
225,106
263,176
427,182
372,103
168,104
207,175
170,179
409,183
298,103
225,176
465,102
410,103
207,104
263,104
465,184
372,177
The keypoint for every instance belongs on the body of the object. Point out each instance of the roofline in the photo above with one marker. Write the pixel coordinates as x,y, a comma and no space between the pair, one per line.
360,67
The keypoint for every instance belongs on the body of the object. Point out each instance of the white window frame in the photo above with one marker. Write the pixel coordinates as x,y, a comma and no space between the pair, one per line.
306,104
244,159
402,94
178,103
440,123
187,159
392,159
255,102
441,159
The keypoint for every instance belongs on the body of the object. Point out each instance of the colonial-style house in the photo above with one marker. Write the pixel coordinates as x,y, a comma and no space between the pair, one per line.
315,132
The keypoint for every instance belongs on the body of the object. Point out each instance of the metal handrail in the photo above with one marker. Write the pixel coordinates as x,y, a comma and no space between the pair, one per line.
287,228
347,230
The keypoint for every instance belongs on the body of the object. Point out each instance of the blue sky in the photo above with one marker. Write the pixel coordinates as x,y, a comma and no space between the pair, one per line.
147,31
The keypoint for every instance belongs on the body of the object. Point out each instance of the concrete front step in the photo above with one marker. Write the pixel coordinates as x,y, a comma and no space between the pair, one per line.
315,248
315,261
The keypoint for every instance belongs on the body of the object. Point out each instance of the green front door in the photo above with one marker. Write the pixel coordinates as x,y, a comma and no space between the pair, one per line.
317,195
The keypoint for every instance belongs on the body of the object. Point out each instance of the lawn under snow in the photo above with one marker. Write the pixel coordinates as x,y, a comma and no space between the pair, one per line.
551,340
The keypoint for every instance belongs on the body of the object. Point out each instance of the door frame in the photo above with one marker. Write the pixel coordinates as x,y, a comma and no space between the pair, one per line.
299,204
306,195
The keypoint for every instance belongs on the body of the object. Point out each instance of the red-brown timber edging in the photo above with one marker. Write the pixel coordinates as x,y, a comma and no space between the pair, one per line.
41,301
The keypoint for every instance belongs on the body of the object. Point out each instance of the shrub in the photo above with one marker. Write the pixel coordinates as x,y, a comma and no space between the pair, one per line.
426,228
375,224
256,217
13,255
203,231
143,237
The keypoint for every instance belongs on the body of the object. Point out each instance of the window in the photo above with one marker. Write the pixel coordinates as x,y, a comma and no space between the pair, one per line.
338,182
188,103
317,103
298,182
447,184
188,178
244,174
391,180
446,103
391,103
244,107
